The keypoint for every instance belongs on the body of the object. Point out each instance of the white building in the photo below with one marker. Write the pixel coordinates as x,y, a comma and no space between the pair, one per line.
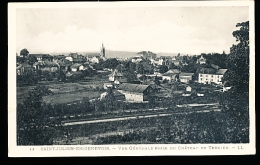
135,92
94,60
158,61
69,59
185,77
201,60
207,78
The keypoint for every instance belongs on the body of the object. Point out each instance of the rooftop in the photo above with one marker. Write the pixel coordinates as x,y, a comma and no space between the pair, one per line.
75,65
138,88
221,71
186,74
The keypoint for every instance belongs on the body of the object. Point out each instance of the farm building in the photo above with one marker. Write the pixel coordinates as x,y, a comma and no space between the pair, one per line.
135,92
116,95
185,77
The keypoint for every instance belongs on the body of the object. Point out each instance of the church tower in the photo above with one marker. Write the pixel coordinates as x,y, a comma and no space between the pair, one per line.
103,51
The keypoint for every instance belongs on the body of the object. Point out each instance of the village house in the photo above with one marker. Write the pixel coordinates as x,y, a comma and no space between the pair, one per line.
185,77
38,65
201,60
135,92
76,67
115,75
59,57
23,69
94,60
169,76
210,75
108,85
157,61
176,62
49,66
76,58
137,59
189,91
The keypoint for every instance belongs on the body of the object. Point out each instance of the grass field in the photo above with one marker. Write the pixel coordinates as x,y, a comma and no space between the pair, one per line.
66,92
70,97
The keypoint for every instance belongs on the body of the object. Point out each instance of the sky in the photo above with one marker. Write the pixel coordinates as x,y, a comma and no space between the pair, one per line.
185,30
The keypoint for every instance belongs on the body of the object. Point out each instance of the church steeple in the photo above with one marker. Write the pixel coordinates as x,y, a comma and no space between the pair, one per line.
103,51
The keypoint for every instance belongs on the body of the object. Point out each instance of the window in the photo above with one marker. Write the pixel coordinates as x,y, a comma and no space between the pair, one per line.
201,79
206,75
201,75
211,75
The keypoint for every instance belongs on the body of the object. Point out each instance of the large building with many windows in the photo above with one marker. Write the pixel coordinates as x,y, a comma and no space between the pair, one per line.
209,76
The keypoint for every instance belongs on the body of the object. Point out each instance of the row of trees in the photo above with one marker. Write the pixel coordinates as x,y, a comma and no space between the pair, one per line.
236,100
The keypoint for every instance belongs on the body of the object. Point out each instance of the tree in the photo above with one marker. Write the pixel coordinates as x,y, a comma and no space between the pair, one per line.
130,76
157,80
61,76
163,69
140,68
31,59
32,120
237,98
111,63
24,52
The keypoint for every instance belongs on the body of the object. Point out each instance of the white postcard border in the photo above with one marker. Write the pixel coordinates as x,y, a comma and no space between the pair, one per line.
129,150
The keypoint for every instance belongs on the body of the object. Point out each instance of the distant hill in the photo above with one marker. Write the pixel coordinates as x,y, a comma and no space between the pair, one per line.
168,54
120,54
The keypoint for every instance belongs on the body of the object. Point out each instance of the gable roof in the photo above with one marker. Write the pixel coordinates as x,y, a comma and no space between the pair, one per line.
221,71
117,74
117,93
215,66
26,65
138,88
207,70
185,74
75,66
50,64
173,71
170,74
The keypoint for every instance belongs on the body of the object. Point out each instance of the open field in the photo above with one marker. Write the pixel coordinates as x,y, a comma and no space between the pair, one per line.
69,97
67,91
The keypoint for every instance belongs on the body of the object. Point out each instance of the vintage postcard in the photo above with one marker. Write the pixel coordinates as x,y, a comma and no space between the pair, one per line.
131,78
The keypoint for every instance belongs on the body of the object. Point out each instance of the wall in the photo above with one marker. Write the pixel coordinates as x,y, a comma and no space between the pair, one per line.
74,69
204,78
138,97
185,79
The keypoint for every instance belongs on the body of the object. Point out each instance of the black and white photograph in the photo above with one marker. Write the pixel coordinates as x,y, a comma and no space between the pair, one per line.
131,78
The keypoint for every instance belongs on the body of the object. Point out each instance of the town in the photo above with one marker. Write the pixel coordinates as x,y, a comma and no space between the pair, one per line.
95,99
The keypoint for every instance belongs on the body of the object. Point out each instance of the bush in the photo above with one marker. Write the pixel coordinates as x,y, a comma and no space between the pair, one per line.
30,78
